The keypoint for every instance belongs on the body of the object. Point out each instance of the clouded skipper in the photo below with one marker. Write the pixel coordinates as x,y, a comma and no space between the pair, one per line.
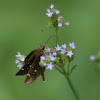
31,65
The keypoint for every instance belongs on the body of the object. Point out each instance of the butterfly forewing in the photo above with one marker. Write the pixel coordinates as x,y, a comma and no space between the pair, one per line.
28,61
35,70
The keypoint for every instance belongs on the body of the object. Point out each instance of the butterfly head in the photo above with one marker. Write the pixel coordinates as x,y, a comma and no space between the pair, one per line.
42,46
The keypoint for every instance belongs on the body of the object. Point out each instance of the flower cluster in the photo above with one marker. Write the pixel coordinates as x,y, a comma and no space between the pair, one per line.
56,21
19,60
54,55
95,58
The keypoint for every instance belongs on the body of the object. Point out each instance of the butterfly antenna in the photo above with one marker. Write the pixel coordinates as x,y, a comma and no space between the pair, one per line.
50,38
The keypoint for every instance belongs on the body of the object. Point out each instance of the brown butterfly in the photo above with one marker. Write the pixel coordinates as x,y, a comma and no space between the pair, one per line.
31,65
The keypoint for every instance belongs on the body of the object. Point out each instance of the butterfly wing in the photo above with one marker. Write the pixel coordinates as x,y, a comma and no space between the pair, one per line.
35,70
28,61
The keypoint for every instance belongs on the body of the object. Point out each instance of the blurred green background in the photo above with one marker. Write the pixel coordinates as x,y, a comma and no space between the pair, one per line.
21,22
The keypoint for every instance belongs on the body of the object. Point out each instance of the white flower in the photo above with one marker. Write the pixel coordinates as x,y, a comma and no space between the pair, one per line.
58,48
50,66
72,45
54,54
99,53
20,65
60,24
63,51
49,14
64,46
67,23
51,6
48,50
69,53
22,58
42,57
48,10
45,64
19,55
59,18
92,57
17,61
57,11
52,58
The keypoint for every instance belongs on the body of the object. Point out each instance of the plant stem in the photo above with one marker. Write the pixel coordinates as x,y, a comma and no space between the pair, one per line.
71,85
57,38
68,68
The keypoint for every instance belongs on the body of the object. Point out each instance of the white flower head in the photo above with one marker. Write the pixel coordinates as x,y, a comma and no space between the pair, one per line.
59,18
57,11
22,58
19,55
20,65
49,14
64,46
67,23
63,51
99,53
92,57
69,53
50,66
60,24
48,10
72,45
58,48
51,6
54,54
52,58
44,64
42,57
48,50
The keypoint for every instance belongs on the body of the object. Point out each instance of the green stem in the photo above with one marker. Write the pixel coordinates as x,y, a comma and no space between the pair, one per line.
71,86
68,68
57,38
59,69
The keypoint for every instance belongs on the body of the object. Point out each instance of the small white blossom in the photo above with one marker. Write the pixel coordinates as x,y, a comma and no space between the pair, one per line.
49,14
59,18
63,51
72,45
48,10
99,53
58,48
64,46
52,58
19,55
17,61
69,53
42,57
67,23
50,66
51,6
57,11
92,57
22,58
20,65
45,64
48,50
60,24
54,54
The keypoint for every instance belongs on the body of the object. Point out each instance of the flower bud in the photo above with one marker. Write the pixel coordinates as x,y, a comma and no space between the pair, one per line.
41,63
47,60
50,25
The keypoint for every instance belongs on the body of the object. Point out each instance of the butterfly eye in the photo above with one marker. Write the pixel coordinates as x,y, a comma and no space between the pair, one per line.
43,48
